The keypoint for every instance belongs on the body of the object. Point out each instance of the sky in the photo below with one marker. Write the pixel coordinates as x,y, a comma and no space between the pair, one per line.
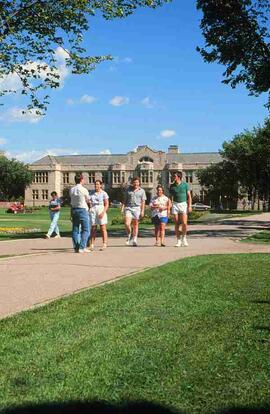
157,92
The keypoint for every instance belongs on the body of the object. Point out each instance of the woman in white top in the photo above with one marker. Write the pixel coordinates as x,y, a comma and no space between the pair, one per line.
99,204
160,206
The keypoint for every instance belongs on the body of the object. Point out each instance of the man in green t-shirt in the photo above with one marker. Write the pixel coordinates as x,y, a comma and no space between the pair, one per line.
181,206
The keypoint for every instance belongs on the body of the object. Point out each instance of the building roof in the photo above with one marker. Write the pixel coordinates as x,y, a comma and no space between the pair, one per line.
96,159
194,157
110,159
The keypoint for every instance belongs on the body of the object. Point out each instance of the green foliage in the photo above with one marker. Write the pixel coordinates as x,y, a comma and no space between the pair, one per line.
117,194
237,35
14,178
245,168
31,30
193,334
221,183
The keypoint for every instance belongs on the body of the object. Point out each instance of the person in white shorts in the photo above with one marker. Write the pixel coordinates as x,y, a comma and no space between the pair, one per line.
160,206
133,208
181,199
99,204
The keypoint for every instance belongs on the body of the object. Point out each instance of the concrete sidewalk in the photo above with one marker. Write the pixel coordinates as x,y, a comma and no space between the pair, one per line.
51,269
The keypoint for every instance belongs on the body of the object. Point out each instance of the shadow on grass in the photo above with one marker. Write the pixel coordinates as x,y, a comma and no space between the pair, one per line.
261,302
99,407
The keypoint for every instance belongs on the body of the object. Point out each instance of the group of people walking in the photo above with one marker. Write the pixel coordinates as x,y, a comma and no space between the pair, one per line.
89,210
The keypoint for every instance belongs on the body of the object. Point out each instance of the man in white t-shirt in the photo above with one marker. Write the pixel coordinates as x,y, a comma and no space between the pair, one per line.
79,200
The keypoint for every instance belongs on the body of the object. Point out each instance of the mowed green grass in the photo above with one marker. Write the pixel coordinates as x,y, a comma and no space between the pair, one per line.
193,335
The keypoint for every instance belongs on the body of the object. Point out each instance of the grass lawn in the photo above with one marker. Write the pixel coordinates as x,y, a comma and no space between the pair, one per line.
260,237
192,335
39,221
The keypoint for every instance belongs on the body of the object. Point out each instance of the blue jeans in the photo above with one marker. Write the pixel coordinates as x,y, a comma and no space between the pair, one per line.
54,215
80,228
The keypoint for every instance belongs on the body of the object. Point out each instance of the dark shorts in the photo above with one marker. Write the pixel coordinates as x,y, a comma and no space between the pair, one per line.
157,220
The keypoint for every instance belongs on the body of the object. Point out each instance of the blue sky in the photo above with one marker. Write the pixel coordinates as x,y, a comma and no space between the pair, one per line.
158,92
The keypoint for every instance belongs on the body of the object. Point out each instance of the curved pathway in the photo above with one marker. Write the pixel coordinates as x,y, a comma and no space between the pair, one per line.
48,269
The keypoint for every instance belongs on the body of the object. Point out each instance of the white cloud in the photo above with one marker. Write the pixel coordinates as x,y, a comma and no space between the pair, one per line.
127,60
167,133
105,152
16,114
84,99
70,101
34,155
12,82
3,141
148,103
119,100
87,99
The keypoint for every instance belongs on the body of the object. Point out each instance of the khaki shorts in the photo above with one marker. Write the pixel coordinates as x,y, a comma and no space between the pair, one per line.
179,208
133,212
94,219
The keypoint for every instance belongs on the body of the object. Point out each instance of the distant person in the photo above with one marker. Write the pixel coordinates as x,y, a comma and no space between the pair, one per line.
160,206
181,206
54,211
133,209
99,204
244,204
79,200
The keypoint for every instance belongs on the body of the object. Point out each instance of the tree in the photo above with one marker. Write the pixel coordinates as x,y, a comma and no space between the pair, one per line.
30,31
237,35
221,184
14,178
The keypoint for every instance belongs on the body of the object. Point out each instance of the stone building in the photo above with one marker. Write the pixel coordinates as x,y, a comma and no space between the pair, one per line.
115,170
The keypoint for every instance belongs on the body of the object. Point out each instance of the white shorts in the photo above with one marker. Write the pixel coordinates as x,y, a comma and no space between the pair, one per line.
133,212
94,219
179,208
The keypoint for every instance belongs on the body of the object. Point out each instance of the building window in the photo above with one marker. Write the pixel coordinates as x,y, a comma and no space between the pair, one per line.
123,177
40,177
144,177
151,175
146,159
105,177
44,194
35,194
189,176
116,177
92,177
65,178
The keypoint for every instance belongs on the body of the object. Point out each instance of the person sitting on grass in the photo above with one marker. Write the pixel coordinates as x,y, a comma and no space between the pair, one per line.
160,206
99,202
54,210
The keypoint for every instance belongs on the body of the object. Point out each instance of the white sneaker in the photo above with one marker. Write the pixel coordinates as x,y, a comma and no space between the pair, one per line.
47,236
134,243
178,244
104,246
184,242
128,241
92,247
57,236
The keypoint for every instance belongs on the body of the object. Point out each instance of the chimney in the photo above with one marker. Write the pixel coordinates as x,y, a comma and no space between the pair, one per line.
173,149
